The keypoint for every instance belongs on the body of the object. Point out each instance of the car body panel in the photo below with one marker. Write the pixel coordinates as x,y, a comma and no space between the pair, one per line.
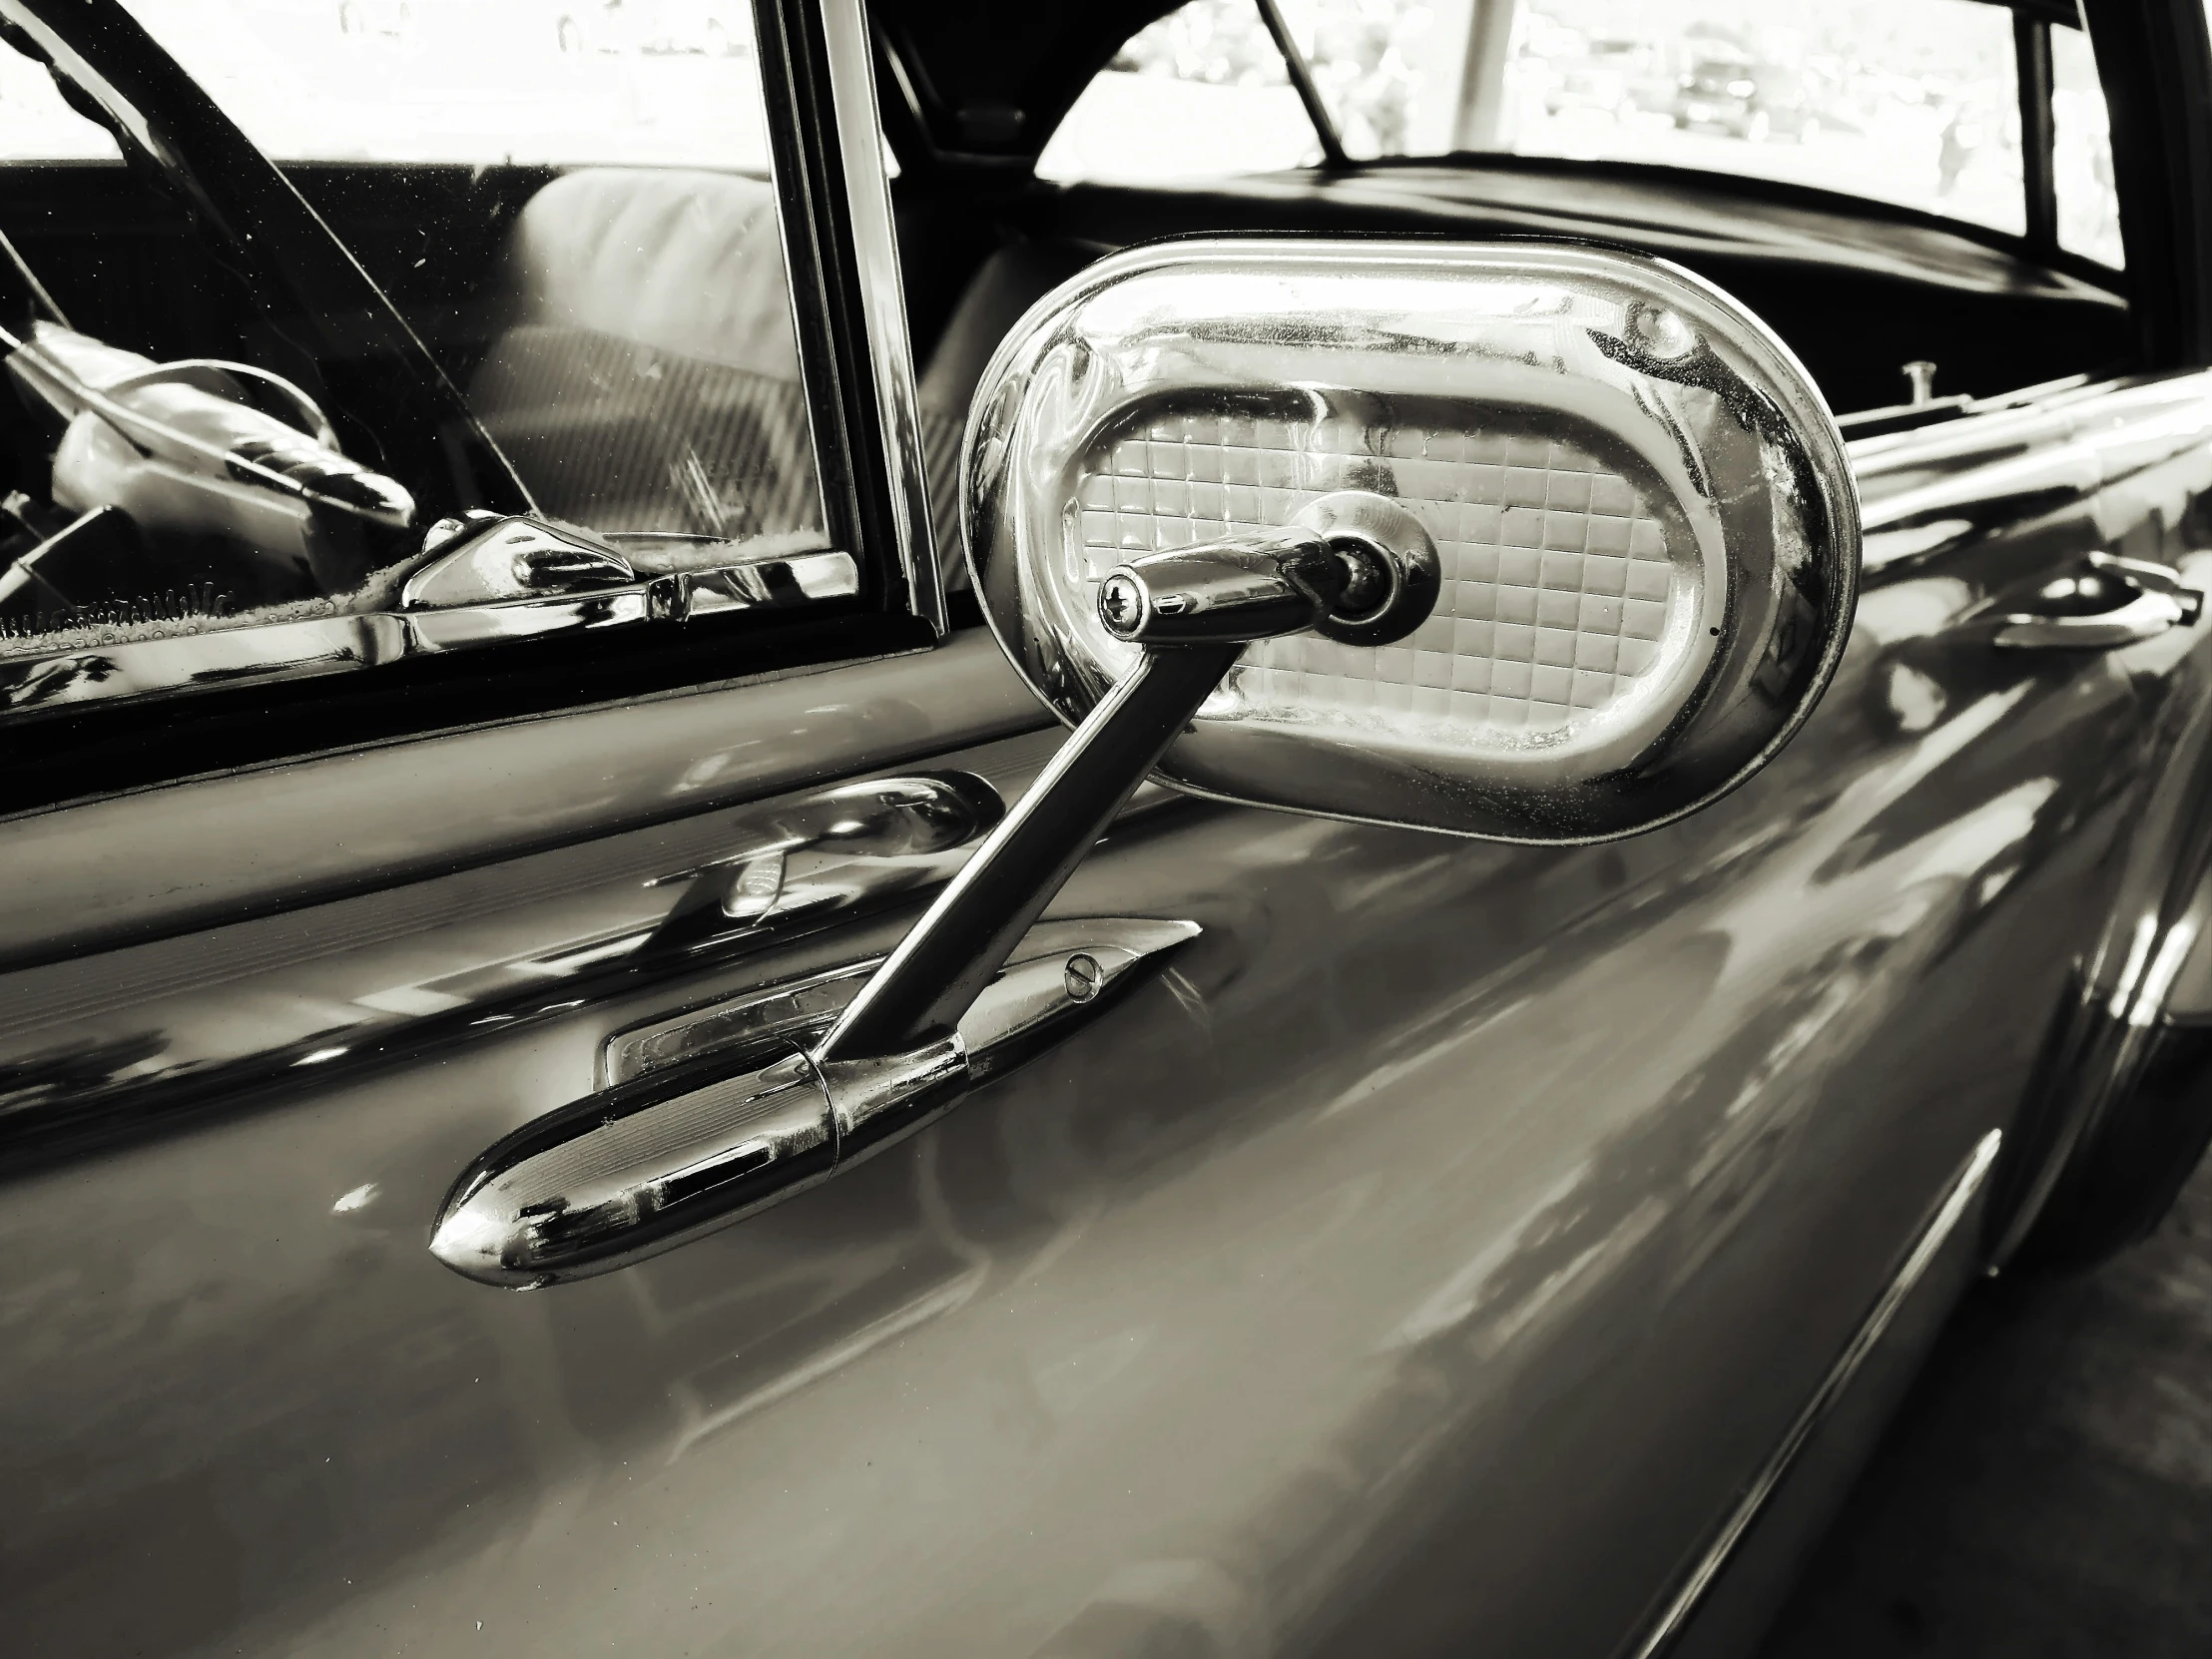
1448,1220
109,871
1441,1253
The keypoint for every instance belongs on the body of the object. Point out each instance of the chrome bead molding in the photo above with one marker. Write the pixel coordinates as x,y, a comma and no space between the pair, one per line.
648,1165
1950,1210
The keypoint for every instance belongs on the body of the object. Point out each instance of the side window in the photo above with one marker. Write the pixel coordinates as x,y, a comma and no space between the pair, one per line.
569,203
624,331
1201,92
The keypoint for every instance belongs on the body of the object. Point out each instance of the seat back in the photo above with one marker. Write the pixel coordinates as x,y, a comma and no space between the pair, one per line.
643,374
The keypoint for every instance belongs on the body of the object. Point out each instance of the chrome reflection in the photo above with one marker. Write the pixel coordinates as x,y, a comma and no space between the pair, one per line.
1646,530
2112,602
155,1035
624,1175
271,651
155,437
886,818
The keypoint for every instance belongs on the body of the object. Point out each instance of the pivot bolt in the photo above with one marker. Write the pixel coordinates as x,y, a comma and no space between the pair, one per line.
1120,603
1083,977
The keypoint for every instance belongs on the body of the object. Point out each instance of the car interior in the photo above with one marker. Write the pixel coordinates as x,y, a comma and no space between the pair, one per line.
624,334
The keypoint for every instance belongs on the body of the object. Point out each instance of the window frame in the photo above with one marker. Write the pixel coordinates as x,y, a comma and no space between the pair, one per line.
154,710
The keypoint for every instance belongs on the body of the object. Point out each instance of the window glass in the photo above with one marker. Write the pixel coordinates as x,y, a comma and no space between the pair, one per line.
1914,102
668,81
35,125
2081,163
569,203
1201,92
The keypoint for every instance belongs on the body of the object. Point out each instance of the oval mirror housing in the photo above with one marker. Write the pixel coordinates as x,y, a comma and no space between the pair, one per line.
1621,535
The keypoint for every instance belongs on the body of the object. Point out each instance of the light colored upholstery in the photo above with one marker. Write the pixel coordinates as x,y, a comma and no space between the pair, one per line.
643,373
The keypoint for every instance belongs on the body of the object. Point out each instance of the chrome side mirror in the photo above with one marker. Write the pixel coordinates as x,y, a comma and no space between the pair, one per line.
1618,514
1541,543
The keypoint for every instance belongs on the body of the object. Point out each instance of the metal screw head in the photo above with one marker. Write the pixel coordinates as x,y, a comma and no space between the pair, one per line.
1083,977
1120,603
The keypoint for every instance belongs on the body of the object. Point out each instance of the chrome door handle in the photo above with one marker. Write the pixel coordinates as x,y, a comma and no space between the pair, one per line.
2157,601
720,1112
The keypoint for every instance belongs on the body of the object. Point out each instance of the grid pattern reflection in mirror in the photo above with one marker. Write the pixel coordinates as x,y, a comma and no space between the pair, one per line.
1564,584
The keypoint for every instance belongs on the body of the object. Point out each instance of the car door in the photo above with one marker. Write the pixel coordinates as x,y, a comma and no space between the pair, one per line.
1430,1250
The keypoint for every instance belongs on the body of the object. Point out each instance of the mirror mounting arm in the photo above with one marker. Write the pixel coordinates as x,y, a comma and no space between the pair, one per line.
1350,562
918,995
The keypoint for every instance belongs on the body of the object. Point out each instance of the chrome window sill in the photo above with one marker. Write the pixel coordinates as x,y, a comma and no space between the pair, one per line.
271,652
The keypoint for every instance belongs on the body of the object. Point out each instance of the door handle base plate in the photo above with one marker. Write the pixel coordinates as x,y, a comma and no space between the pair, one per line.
716,1114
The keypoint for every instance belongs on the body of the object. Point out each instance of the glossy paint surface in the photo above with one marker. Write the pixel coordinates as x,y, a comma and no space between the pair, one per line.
114,870
1423,1263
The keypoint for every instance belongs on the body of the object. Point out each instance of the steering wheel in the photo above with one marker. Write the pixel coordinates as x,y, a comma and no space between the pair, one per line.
207,374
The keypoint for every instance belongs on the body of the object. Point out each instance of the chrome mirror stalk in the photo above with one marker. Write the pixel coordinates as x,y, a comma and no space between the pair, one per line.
1353,566
964,939
1194,611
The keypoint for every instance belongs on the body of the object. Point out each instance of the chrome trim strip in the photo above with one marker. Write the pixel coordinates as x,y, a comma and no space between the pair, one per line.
1950,1208
1924,492
155,1033
296,650
883,300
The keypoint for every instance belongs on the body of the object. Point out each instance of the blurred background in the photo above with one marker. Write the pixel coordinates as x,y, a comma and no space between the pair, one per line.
478,80
1907,100
1914,102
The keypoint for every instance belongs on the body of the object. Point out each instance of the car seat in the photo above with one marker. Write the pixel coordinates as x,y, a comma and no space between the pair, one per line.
641,374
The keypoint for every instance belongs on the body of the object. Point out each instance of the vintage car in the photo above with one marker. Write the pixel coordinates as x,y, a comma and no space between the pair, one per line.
1750,101
778,884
